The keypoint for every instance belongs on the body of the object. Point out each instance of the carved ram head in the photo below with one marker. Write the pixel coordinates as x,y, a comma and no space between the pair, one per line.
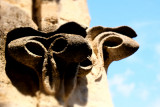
52,62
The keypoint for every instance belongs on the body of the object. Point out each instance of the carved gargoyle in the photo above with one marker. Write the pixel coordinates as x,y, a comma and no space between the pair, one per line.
55,63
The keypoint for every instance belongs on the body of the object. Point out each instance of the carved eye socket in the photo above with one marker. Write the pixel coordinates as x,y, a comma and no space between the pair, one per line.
85,67
35,48
59,45
113,41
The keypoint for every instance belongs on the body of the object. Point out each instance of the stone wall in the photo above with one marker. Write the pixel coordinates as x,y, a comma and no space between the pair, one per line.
18,13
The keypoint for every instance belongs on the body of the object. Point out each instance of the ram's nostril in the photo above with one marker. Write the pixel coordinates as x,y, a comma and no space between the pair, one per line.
85,67
113,41
86,63
35,48
59,45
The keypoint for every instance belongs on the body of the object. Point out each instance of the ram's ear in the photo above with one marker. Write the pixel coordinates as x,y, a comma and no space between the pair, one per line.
71,28
22,32
125,30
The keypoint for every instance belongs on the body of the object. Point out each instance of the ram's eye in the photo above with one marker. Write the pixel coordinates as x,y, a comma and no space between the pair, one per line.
35,48
85,67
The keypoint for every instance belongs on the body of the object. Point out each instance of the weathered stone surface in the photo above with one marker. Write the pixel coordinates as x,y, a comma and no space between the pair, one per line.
74,10
25,5
19,85
50,16
13,17
57,12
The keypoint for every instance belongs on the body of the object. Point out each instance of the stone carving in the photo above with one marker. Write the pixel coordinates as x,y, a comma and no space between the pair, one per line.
65,66
69,63
54,56
112,44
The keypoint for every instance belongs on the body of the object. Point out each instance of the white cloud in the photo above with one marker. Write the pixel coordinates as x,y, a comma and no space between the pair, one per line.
150,66
128,73
157,49
119,82
155,103
144,94
133,59
126,89
144,24
141,24
158,77
157,52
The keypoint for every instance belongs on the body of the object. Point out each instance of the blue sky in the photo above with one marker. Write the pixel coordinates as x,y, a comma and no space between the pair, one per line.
133,81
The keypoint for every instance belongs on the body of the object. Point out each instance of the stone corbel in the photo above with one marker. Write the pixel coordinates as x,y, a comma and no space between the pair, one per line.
52,63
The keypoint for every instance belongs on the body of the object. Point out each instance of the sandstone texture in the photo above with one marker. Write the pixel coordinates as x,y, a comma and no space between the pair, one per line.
18,13
48,57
